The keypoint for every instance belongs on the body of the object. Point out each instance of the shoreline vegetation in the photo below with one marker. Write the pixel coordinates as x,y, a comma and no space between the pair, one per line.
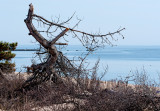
98,95
102,84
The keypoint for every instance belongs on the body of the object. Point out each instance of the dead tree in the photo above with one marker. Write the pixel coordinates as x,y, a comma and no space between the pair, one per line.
56,60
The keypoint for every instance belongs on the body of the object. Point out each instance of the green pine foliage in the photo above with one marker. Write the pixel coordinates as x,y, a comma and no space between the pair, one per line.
6,55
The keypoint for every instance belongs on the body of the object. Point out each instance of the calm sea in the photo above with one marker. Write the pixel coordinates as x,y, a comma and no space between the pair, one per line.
121,60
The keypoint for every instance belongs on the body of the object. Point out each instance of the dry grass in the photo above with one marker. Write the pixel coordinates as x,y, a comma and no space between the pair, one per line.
96,96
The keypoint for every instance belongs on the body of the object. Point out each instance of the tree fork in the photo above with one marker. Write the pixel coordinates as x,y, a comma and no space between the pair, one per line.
47,69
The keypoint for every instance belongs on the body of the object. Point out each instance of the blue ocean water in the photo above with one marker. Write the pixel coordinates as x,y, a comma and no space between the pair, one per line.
121,60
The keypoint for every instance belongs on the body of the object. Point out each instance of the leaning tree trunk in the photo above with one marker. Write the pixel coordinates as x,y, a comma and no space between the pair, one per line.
46,70
43,71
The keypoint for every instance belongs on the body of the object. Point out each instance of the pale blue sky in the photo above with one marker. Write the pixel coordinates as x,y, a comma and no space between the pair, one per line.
141,18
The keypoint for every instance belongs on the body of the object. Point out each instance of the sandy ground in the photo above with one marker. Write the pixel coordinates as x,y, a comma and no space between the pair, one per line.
69,106
103,84
17,75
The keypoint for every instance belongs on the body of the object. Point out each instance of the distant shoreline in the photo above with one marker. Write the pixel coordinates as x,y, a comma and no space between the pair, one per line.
26,50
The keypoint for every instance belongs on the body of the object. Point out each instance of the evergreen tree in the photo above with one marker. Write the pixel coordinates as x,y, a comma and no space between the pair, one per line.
6,55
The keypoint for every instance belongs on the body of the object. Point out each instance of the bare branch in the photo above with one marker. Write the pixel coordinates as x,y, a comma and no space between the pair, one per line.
68,19
61,44
71,29
60,35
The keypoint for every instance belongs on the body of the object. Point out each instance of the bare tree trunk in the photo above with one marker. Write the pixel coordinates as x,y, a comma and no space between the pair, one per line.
43,71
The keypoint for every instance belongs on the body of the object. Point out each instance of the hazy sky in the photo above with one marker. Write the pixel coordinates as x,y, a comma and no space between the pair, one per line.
141,18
